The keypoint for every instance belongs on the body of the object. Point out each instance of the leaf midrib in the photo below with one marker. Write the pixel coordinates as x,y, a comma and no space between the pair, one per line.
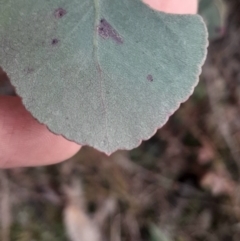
98,66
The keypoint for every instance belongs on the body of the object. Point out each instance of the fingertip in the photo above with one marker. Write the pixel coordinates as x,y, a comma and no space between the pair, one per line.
174,6
26,142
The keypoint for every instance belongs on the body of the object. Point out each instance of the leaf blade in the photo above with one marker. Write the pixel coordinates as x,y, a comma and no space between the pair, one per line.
92,85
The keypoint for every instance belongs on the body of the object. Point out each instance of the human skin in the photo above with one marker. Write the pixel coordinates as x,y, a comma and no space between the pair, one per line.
26,142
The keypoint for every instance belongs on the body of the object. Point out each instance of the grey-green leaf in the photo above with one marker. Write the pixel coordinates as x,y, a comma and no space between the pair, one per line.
106,73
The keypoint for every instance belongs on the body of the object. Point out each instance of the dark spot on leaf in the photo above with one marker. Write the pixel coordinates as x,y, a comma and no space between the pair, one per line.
150,78
105,30
55,41
60,12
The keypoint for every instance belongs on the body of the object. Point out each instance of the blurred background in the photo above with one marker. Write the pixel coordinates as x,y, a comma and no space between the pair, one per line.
181,185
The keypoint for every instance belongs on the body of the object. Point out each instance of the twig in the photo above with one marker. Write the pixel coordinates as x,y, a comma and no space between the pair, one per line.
5,207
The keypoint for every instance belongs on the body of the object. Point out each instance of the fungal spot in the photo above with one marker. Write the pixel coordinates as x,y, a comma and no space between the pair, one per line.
55,41
105,30
60,12
150,78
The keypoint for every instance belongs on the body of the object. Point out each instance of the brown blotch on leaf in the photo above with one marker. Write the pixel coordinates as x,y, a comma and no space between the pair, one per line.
105,30
60,12
150,78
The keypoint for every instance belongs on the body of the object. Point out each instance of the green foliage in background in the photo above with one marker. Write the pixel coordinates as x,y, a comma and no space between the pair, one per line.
213,13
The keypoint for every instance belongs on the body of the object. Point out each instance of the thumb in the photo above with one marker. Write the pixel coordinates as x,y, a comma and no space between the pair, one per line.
174,6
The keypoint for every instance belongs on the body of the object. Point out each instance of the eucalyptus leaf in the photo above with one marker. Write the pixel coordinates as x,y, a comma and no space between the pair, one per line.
104,73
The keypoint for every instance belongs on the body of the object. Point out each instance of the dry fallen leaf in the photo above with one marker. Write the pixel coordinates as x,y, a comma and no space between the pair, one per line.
78,224
218,184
